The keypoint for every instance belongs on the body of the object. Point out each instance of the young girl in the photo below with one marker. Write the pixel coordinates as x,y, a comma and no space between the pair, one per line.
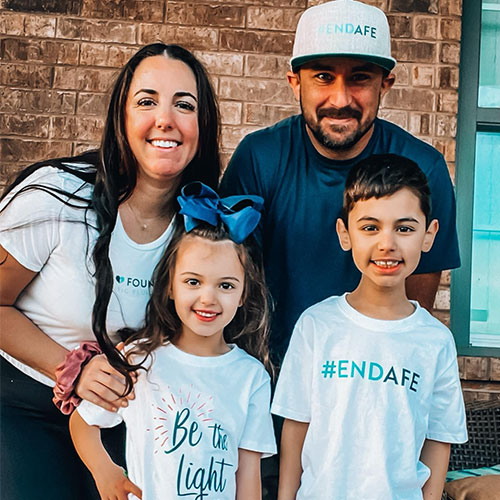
200,420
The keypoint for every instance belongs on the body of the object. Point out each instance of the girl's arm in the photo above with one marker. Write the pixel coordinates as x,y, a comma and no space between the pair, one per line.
292,442
99,382
436,456
110,479
248,485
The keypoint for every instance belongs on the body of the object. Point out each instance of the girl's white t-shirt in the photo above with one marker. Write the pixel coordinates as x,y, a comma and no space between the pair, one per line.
189,417
52,239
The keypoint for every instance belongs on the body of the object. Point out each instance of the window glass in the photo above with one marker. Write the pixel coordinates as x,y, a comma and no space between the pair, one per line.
489,73
485,292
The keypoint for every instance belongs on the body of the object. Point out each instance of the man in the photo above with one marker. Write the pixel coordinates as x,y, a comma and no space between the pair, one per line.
340,69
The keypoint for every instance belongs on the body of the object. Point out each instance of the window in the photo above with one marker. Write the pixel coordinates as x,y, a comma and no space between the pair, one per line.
475,289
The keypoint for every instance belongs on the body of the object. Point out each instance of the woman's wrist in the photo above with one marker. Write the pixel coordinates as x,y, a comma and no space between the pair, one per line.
67,373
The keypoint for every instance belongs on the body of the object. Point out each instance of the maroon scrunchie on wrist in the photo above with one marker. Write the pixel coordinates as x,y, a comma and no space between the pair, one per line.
68,371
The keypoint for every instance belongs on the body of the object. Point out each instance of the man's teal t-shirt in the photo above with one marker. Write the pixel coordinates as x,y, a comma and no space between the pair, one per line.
303,194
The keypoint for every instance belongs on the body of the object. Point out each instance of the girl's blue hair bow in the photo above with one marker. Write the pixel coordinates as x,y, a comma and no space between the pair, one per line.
239,214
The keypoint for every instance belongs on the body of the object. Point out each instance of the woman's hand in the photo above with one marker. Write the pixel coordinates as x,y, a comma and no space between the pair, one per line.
102,385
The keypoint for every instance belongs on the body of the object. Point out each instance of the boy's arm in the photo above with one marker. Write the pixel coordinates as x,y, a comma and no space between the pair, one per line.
292,442
248,485
436,456
110,479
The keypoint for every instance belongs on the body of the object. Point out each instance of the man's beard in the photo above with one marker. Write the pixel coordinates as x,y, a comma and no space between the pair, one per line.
344,143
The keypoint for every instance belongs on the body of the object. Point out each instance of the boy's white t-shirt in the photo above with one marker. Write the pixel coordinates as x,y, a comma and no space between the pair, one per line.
189,417
372,391
50,238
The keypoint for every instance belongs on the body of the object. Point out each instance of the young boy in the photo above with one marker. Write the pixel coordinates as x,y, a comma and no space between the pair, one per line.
369,386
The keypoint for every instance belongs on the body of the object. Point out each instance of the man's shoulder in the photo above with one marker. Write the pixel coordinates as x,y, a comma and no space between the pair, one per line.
280,131
396,140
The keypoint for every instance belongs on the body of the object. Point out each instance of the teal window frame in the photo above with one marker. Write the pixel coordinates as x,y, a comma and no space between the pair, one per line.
485,119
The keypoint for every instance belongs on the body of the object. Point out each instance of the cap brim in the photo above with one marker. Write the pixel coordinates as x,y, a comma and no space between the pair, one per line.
383,62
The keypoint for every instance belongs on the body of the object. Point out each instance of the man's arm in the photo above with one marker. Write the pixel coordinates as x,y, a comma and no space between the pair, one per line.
423,288
292,442
436,456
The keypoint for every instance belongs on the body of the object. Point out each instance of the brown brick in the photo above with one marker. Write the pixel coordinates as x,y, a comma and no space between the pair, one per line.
450,7
97,31
445,278
402,73
277,3
450,29
81,147
267,66
24,125
410,51
476,368
398,117
263,115
143,10
269,18
411,6
495,369
421,124
443,316
260,91
194,38
400,26
118,55
83,128
103,9
461,364
199,14
92,104
231,136
252,41
44,51
447,148
31,151
40,26
98,80
450,53
93,54
230,112
36,101
44,6
151,33
11,24
26,75
423,76
410,99
220,63
446,125
442,301
448,77
425,27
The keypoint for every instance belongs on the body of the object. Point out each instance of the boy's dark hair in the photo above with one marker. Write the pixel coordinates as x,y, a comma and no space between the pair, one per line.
383,175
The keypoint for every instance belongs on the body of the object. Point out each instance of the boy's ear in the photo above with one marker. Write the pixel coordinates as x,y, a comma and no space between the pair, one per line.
430,235
342,233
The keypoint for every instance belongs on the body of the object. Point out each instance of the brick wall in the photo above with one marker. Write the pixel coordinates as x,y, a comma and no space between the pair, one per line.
58,60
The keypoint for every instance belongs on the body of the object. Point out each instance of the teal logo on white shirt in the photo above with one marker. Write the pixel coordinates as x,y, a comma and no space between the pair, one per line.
370,370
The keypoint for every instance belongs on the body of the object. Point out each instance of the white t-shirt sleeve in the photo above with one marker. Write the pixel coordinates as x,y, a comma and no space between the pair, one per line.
447,422
29,223
292,398
258,433
95,415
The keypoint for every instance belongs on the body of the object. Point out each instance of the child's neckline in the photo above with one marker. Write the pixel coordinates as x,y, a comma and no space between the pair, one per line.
204,360
372,323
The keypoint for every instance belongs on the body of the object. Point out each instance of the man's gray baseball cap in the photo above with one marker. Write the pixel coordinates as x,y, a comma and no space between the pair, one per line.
343,28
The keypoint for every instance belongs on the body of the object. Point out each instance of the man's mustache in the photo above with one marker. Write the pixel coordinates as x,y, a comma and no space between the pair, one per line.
345,112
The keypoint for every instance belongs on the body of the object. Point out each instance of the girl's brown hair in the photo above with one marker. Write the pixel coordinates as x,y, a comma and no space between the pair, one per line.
249,328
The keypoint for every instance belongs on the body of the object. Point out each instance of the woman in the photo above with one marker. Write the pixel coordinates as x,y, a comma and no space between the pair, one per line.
79,240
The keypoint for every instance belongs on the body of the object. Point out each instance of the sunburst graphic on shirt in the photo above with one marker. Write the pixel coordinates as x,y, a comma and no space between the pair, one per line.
164,414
